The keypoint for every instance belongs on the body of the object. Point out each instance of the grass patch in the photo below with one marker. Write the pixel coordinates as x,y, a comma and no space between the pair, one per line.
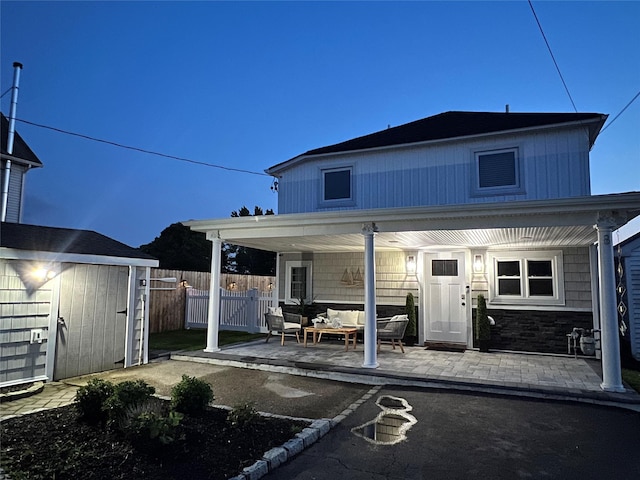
196,339
632,377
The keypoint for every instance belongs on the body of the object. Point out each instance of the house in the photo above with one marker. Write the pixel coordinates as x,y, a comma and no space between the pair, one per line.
628,283
449,207
72,302
17,164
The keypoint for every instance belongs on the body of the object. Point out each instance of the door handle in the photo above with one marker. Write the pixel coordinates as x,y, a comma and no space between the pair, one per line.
463,304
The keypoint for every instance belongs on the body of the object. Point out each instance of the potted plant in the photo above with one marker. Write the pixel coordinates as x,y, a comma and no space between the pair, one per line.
483,326
410,333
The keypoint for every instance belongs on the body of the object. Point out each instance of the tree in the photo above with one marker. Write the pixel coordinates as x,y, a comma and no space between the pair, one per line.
180,248
246,260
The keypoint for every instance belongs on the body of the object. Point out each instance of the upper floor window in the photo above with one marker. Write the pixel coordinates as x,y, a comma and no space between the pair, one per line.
527,277
497,172
337,186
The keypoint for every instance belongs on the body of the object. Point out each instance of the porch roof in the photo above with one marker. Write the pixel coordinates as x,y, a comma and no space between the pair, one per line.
523,224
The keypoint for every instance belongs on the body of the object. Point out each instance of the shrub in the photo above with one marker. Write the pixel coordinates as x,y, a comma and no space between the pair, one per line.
149,423
483,326
410,310
90,400
191,395
126,395
243,415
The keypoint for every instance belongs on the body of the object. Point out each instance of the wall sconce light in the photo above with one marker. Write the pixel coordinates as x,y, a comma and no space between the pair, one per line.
411,264
270,286
43,274
184,284
232,286
478,263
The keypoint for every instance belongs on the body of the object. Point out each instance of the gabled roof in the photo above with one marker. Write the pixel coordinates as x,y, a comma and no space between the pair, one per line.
450,125
21,151
38,238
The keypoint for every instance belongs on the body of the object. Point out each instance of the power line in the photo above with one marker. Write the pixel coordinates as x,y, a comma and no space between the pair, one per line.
552,57
142,150
621,111
6,91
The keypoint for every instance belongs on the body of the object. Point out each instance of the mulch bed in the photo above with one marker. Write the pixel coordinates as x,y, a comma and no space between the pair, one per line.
56,444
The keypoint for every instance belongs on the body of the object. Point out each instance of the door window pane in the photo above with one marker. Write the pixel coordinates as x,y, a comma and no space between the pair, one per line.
444,268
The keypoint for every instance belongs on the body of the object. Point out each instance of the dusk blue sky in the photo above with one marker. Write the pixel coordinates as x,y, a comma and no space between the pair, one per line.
250,84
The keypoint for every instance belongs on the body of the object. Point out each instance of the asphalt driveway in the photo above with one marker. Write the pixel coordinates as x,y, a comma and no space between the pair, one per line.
462,436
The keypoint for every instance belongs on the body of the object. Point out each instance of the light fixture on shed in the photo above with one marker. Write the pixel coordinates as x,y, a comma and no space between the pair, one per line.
478,263
411,264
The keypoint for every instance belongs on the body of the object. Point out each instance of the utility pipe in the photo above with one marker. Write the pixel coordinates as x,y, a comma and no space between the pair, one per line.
10,136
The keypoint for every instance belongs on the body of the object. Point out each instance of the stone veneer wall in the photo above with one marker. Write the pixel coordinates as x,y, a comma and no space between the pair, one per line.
534,331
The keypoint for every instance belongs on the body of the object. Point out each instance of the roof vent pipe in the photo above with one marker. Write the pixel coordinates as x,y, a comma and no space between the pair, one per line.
506,108
10,136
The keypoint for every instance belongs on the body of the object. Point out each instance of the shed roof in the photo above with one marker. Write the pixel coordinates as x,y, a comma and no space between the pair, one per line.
37,238
21,151
456,124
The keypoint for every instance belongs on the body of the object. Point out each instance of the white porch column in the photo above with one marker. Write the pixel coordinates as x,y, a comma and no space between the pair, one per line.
611,369
370,355
213,318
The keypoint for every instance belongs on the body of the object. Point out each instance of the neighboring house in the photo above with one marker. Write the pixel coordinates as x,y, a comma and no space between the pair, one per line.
628,276
449,207
22,160
72,302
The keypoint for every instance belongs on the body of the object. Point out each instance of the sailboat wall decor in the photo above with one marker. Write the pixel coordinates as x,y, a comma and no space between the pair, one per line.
351,278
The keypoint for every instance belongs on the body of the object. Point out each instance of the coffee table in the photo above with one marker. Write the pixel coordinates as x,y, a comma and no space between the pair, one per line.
349,333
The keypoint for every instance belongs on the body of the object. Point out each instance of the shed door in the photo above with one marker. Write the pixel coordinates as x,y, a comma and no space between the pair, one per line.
445,297
91,332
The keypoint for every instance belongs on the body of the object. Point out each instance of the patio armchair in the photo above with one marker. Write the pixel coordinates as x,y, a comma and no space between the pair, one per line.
392,329
288,323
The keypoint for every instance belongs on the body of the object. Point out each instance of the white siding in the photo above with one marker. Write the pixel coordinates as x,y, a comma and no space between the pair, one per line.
20,311
14,200
555,165
632,274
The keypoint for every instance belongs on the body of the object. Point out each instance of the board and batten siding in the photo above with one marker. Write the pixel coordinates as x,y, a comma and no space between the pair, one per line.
555,164
392,281
14,199
92,336
22,310
632,276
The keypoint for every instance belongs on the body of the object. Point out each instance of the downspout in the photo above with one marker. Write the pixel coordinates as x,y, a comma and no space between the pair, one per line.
10,136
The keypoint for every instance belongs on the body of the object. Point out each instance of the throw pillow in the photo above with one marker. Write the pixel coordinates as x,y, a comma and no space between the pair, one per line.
277,311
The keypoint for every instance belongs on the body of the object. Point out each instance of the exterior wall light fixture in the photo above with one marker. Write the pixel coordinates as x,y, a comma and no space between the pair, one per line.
478,263
411,264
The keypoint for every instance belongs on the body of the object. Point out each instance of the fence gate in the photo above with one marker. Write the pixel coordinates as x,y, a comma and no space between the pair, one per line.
240,311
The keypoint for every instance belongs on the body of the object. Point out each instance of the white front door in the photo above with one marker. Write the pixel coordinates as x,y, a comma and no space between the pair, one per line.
445,297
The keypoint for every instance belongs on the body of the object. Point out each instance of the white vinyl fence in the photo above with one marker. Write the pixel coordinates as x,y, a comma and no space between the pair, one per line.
240,311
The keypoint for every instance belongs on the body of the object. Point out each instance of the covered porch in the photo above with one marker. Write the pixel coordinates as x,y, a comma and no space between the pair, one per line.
473,231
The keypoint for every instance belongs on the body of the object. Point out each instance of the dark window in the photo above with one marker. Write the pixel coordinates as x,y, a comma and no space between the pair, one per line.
444,268
337,185
497,169
509,278
540,278
298,282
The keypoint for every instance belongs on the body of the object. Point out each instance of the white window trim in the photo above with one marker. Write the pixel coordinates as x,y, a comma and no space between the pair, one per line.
288,299
557,269
518,188
338,202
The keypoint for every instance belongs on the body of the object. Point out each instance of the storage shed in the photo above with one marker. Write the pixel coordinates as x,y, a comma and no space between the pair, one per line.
629,291
72,302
